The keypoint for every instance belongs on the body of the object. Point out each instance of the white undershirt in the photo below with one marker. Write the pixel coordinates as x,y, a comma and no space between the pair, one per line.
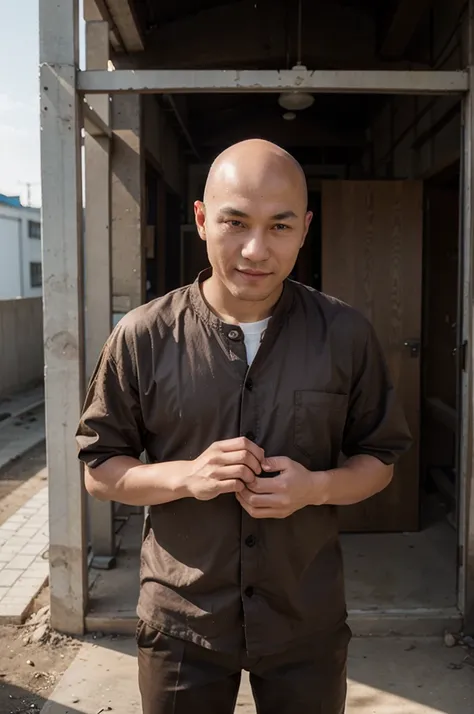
253,333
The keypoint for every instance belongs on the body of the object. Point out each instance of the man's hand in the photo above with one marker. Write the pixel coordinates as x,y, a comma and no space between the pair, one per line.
278,497
225,467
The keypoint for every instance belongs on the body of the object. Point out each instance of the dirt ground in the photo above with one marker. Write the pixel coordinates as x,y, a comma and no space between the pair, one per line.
29,670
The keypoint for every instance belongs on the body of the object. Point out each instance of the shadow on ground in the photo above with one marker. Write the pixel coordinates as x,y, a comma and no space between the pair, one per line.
386,675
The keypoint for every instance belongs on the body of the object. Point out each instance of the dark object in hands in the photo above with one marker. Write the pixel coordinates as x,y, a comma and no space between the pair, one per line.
269,474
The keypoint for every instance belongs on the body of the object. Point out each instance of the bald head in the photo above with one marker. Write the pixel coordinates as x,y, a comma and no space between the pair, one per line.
255,165
254,220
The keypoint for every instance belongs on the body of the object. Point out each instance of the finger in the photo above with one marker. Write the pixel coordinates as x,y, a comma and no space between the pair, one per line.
277,484
231,485
259,513
228,458
234,471
242,443
276,463
265,500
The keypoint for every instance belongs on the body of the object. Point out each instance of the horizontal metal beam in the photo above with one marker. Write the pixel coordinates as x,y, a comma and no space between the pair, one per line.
93,123
150,81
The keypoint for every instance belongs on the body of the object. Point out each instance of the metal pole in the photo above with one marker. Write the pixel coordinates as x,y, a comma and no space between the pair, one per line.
466,471
63,308
98,270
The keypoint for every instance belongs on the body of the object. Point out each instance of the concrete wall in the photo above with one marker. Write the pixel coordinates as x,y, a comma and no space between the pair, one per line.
10,257
21,343
17,251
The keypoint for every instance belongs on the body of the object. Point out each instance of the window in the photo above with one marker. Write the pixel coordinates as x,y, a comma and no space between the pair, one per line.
34,229
36,275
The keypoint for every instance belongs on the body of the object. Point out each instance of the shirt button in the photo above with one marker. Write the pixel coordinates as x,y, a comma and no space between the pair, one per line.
248,591
249,384
234,335
250,436
250,541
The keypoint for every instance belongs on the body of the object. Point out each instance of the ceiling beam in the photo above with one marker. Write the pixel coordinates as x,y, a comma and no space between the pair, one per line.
125,34
154,81
123,15
403,23
96,11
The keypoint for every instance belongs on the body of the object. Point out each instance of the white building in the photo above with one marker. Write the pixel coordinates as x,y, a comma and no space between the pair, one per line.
20,249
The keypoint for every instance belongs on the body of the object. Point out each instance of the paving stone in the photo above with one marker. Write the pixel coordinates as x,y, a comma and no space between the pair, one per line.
30,532
15,441
37,572
24,538
40,521
17,538
10,550
11,613
9,527
32,548
8,577
21,562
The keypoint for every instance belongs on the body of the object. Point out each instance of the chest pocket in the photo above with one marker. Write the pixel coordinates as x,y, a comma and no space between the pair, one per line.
319,423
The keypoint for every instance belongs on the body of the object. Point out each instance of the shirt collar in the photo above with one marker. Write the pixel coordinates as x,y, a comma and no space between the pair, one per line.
200,306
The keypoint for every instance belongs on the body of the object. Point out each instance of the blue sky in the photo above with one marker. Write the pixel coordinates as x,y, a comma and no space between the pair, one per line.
19,99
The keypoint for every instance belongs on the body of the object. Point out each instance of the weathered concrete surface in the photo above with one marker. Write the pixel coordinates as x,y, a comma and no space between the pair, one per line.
387,676
21,343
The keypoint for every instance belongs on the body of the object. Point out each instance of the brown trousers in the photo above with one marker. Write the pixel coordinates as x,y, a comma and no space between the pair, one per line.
179,677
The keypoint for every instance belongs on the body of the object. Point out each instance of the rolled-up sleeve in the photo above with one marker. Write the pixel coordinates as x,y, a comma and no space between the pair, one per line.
375,422
111,423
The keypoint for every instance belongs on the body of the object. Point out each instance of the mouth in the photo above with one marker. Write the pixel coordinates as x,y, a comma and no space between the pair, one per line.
253,274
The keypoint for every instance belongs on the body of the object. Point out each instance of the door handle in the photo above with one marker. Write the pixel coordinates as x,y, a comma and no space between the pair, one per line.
414,346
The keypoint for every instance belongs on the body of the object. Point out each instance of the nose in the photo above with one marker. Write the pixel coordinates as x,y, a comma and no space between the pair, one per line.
255,248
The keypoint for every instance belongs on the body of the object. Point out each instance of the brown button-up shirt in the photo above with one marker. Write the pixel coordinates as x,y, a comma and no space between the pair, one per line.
172,379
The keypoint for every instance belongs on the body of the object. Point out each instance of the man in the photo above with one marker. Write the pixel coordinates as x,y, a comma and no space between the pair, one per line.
244,389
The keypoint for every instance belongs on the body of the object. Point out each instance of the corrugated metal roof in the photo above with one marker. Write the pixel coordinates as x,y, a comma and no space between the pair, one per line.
11,200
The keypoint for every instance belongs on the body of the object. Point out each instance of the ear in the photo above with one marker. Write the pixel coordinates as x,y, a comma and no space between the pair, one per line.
307,222
200,218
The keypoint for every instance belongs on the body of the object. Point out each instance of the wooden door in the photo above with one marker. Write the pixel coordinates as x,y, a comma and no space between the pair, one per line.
372,259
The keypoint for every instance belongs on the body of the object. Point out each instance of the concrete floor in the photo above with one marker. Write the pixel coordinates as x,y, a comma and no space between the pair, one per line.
386,676
395,583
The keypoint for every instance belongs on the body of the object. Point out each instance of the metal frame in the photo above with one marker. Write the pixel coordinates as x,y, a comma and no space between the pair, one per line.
98,260
466,391
63,116
150,81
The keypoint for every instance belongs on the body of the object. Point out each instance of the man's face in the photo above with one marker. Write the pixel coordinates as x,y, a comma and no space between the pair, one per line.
253,232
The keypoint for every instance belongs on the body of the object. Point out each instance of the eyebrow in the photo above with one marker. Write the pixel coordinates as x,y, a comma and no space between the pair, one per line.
230,211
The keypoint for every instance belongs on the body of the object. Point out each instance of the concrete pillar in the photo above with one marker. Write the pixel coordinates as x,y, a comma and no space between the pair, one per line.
128,203
61,122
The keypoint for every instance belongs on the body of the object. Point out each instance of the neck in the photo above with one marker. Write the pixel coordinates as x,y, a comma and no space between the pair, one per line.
232,310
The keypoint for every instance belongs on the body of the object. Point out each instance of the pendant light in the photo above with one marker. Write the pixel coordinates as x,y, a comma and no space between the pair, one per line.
295,100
